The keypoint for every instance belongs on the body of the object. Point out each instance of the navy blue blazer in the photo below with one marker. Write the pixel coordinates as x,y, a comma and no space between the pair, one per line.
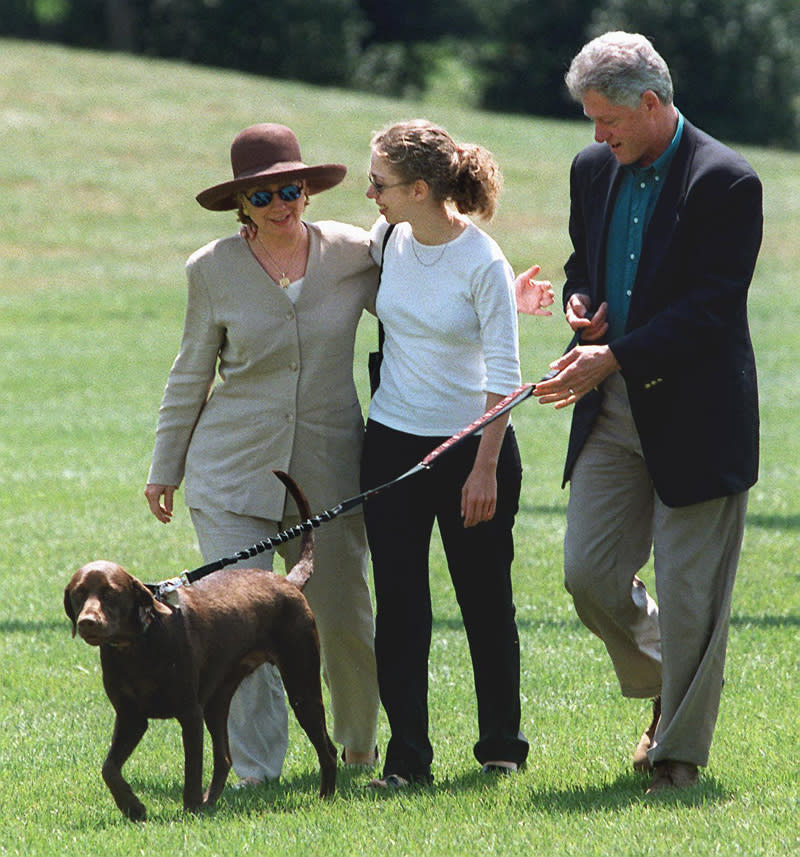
686,355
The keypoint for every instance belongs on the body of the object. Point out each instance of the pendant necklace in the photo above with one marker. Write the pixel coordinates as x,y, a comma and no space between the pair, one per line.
284,280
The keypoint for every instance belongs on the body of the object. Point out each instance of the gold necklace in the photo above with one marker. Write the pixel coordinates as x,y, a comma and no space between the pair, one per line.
427,264
438,259
284,280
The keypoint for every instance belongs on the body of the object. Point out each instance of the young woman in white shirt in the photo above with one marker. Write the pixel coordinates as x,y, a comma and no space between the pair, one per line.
446,301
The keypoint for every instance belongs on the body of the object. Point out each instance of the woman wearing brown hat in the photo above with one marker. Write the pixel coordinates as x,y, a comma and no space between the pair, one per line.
274,310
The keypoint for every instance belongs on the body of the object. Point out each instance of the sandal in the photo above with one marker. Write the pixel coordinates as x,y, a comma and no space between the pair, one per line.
501,768
247,783
389,782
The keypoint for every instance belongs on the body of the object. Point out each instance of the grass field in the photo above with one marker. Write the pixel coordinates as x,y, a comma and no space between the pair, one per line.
100,159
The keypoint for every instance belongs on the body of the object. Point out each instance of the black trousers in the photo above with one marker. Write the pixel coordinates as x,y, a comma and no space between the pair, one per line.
399,528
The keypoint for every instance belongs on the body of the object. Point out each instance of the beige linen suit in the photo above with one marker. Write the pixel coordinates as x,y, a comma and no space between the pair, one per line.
285,399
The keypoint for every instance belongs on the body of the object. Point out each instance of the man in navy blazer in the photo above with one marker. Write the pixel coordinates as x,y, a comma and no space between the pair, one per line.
666,225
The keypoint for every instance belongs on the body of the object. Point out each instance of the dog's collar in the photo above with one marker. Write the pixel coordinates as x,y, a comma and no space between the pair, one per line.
167,591
146,617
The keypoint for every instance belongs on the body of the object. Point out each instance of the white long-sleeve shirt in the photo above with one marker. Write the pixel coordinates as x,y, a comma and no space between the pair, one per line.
450,321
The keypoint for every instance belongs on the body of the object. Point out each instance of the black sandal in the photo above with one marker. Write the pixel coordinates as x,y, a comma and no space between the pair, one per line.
501,770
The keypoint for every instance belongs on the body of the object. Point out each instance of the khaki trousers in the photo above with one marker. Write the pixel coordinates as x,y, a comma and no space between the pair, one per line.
675,647
340,598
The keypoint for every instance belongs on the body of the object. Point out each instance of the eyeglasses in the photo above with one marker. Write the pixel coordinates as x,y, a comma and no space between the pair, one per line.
289,193
380,187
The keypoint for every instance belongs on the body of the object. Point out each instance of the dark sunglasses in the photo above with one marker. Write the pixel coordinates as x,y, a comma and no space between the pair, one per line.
262,198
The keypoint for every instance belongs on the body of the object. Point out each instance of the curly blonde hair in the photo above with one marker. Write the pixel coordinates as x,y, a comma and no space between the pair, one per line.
465,174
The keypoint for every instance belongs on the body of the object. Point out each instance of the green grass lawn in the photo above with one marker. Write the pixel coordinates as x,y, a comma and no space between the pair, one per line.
100,159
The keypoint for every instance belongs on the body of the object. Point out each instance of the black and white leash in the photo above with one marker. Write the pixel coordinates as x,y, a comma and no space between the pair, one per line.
187,578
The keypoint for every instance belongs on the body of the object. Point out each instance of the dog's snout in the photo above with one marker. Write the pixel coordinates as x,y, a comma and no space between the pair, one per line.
91,621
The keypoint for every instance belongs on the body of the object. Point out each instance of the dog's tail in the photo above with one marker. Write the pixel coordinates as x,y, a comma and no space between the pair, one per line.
304,567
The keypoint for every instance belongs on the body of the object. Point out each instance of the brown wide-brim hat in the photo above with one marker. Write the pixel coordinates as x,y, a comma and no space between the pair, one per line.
266,153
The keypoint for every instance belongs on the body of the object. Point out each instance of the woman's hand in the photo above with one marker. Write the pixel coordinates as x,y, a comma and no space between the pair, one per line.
533,295
479,492
479,496
154,494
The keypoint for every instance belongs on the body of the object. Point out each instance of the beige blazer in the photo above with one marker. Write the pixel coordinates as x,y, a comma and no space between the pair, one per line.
285,397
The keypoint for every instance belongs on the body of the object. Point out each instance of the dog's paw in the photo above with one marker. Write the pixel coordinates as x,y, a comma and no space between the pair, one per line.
135,811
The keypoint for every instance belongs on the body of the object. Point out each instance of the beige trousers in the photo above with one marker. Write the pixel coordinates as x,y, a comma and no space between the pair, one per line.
675,647
340,598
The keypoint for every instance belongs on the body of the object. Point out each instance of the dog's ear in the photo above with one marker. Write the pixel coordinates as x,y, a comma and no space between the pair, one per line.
69,609
143,595
145,603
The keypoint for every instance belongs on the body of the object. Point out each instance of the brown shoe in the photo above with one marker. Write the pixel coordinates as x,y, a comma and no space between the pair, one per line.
683,774
641,762
672,775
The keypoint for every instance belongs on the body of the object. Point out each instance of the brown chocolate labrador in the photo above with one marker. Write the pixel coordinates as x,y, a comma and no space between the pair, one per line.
186,661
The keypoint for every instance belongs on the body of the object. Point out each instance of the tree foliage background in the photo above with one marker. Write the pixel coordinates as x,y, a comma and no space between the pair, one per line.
735,63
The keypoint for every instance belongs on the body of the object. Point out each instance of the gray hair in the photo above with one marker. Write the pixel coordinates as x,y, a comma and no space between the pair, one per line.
619,66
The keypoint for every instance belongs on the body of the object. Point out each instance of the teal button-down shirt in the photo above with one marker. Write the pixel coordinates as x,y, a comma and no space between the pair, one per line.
636,199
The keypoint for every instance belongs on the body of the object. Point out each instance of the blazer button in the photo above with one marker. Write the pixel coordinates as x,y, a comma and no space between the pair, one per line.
289,418
293,366
289,315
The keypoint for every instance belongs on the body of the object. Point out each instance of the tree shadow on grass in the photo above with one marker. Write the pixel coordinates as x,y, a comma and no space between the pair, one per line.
440,623
743,621
527,623
35,626
526,508
768,521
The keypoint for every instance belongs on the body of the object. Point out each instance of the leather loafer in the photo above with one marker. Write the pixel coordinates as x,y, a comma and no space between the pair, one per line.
683,774
672,775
